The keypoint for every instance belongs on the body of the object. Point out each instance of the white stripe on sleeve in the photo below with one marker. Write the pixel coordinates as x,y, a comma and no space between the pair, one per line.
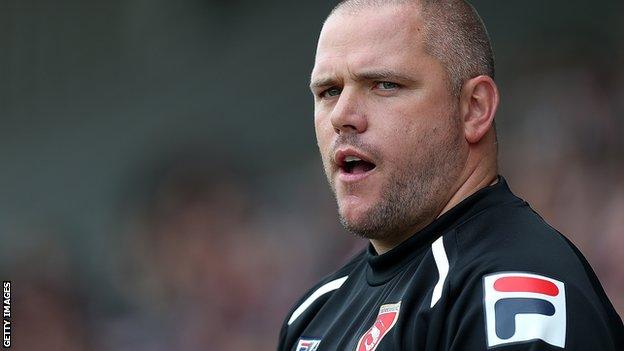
324,289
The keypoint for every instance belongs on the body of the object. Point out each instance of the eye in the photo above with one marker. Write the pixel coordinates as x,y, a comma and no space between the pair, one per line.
387,85
331,92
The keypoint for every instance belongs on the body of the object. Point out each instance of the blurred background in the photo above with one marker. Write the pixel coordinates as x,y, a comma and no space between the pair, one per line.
161,188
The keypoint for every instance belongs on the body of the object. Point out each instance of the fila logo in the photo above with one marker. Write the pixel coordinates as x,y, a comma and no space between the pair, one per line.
520,307
386,319
308,344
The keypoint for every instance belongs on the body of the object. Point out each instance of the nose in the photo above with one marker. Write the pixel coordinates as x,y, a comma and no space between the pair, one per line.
348,114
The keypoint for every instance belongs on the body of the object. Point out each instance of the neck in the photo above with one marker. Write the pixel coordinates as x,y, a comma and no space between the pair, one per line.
479,178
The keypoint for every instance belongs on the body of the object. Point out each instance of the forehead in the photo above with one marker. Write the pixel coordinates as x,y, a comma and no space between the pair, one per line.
371,37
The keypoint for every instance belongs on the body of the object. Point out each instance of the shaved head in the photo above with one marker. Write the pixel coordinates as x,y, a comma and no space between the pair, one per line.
454,34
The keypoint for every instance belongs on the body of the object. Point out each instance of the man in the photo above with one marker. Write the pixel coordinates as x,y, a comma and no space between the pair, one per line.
404,111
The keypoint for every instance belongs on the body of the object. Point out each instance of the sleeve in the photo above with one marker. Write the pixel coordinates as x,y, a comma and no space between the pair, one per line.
285,340
528,311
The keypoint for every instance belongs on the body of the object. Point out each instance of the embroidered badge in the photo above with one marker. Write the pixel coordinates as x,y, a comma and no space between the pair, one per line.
386,319
521,307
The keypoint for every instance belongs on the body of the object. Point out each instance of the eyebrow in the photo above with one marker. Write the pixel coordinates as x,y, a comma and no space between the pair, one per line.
377,74
322,82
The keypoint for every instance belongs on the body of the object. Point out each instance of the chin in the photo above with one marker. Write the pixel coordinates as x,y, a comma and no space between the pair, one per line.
353,210
357,223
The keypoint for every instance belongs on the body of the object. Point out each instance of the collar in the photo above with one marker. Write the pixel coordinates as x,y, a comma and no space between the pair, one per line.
382,268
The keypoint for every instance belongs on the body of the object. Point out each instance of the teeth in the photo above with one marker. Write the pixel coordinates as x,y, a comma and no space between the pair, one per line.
352,158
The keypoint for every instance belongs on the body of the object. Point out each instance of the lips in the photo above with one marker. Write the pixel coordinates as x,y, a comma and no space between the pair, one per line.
353,164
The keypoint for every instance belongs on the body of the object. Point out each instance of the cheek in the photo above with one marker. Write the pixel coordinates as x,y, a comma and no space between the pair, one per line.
322,121
324,133
409,135
400,131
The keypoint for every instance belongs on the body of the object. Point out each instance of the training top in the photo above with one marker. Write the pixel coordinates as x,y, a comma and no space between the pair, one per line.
487,274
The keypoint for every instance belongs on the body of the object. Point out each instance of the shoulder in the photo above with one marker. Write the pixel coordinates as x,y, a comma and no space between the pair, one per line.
324,288
508,261
312,301
513,236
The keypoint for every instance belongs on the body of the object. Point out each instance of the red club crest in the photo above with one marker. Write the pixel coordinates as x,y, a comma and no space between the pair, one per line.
387,317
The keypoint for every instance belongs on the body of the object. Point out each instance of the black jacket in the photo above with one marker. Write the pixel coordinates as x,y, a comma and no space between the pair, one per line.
489,273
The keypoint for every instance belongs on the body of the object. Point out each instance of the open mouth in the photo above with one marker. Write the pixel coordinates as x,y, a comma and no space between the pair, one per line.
355,165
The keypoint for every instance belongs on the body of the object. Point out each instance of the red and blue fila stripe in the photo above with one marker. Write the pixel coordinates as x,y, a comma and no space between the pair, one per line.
522,307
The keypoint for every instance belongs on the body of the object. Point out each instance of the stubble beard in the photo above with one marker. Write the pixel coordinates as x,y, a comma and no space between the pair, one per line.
413,195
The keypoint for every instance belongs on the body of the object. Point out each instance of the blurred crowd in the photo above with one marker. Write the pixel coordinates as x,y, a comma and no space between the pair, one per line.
207,256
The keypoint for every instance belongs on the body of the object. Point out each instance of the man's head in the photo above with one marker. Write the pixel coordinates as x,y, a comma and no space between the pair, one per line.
404,103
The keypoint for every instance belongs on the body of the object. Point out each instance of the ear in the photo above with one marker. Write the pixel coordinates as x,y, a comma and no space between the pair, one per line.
478,103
